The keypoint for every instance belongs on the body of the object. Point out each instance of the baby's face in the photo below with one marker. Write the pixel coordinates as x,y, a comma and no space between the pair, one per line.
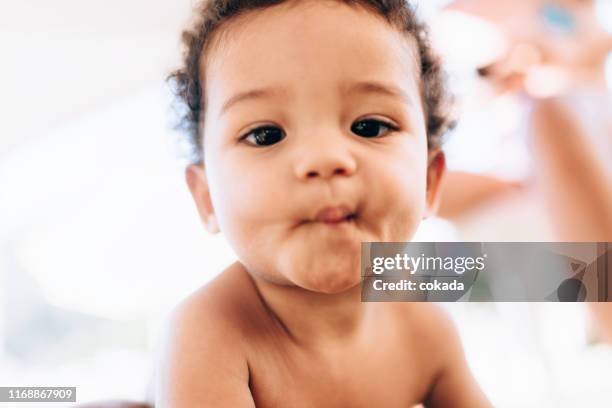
314,141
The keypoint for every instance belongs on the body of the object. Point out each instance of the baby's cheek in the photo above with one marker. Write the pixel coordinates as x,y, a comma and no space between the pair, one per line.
401,198
251,214
236,193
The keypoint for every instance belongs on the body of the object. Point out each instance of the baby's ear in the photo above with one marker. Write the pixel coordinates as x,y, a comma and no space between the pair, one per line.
436,169
198,186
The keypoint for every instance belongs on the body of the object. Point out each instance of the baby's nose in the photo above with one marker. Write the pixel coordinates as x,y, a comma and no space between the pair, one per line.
317,163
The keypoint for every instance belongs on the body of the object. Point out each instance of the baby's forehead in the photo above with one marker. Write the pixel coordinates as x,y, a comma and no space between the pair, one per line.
317,46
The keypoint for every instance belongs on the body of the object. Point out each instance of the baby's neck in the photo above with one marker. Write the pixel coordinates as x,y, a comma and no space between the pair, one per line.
314,319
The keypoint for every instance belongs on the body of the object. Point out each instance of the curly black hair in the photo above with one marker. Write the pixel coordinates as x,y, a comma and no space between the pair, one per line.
189,89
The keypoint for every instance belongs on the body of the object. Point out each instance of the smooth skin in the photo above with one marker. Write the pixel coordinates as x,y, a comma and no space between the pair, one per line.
343,126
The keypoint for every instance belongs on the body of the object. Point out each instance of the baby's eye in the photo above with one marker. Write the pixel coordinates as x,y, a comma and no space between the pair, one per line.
371,128
264,136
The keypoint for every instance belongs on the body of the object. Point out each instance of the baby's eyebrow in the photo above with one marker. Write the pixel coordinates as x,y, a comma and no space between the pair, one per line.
346,88
376,88
252,94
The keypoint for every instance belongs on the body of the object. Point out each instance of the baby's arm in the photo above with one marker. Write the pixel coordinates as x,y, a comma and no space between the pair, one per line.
201,363
454,385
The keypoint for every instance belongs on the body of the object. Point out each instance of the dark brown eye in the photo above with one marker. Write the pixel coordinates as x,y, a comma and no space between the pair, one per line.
264,136
371,128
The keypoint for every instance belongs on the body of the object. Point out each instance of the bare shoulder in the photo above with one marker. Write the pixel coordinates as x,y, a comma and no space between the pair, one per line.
202,360
426,322
217,312
221,302
433,333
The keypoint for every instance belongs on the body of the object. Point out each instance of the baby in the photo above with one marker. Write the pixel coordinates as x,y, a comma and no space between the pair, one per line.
317,126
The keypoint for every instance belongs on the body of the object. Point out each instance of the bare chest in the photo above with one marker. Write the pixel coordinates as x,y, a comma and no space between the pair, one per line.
378,376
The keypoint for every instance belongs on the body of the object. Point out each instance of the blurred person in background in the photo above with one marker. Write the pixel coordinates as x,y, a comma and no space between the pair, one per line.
554,66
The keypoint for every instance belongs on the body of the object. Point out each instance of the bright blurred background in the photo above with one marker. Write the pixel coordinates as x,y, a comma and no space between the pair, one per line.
99,238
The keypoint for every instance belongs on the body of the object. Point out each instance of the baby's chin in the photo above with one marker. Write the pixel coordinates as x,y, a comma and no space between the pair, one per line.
331,275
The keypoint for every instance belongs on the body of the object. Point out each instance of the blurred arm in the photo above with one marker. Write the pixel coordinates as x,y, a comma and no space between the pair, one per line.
576,188
463,192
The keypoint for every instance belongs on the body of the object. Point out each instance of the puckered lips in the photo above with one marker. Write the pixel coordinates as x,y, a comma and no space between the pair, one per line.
335,215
